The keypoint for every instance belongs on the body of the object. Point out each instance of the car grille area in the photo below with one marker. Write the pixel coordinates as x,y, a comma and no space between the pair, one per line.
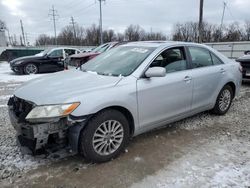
20,108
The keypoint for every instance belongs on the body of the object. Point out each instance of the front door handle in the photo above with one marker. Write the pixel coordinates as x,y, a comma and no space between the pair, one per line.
222,70
187,78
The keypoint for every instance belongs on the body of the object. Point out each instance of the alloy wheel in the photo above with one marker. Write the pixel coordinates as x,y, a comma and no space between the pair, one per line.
108,137
31,69
225,100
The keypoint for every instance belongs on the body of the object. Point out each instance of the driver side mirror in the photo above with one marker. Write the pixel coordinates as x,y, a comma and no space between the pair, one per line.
155,72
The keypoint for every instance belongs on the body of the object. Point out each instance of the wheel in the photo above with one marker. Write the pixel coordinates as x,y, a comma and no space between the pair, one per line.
105,136
30,69
223,101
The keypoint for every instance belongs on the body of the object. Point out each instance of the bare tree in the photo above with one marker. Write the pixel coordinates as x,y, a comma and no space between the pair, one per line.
233,32
92,35
44,40
120,37
109,35
154,36
187,32
247,30
134,33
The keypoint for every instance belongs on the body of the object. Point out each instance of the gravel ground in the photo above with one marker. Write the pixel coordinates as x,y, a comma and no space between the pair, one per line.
202,151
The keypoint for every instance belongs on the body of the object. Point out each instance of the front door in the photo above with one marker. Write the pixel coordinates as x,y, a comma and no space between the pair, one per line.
163,98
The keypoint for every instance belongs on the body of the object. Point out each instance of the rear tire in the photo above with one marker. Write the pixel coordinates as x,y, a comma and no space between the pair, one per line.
224,101
30,68
105,136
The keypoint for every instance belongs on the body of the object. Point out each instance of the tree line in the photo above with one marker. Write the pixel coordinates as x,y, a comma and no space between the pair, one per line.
189,32
78,35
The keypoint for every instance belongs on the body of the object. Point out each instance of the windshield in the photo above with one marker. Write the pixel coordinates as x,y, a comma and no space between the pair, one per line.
101,48
42,53
120,61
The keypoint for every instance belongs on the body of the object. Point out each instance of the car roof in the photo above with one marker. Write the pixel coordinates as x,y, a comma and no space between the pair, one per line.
59,48
157,44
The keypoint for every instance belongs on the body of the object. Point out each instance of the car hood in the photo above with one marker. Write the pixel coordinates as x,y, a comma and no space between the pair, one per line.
86,54
63,87
33,57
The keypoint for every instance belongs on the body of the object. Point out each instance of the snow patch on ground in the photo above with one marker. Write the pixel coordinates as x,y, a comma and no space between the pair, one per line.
7,75
204,166
5,97
138,159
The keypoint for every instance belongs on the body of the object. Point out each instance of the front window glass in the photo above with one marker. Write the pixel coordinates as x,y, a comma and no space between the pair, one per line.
70,51
200,57
172,60
56,53
122,60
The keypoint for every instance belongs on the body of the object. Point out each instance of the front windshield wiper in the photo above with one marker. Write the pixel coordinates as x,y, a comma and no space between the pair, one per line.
108,74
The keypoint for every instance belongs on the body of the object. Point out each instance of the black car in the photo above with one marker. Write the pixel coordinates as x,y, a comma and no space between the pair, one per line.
47,61
245,63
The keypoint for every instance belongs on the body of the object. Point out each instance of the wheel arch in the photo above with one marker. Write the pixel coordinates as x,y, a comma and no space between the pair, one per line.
127,114
233,86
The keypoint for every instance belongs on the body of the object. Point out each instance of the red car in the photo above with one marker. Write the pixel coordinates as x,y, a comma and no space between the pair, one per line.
81,58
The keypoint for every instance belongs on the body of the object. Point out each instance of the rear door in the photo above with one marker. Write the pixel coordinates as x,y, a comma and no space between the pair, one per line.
207,73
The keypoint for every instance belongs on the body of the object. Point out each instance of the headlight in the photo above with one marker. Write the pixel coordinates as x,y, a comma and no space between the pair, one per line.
51,111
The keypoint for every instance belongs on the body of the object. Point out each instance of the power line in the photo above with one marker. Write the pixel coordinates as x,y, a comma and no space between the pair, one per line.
54,15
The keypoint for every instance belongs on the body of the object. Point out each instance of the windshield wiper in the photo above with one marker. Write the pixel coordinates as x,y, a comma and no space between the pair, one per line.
107,74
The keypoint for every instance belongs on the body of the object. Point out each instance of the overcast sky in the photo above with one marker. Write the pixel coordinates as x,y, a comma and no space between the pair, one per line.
160,15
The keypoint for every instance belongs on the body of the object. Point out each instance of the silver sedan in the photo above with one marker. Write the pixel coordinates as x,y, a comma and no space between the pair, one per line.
121,93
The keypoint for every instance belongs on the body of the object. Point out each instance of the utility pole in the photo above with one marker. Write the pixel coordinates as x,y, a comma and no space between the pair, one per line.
21,40
21,22
54,15
100,3
201,21
26,37
9,36
222,18
74,29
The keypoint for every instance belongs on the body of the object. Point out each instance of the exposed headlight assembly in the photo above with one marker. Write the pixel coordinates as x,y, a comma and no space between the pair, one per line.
52,111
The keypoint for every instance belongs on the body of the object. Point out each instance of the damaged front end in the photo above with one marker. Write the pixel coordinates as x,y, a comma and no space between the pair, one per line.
44,135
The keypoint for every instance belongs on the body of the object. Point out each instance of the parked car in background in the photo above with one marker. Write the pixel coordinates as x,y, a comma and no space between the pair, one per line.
245,63
15,52
78,59
247,52
124,92
50,60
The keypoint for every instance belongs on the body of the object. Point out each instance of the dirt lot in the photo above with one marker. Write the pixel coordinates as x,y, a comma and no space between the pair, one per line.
201,151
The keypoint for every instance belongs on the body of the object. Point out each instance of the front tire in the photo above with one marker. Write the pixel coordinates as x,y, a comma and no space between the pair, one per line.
224,101
30,68
105,136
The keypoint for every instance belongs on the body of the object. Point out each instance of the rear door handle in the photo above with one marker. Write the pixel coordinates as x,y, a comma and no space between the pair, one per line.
222,70
187,78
